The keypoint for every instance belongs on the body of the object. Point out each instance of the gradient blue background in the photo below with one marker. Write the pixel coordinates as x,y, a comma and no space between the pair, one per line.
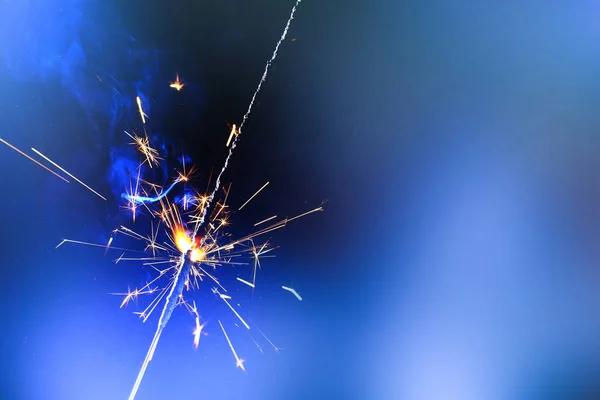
456,145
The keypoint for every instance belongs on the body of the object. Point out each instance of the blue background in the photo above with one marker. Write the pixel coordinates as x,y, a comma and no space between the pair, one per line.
456,146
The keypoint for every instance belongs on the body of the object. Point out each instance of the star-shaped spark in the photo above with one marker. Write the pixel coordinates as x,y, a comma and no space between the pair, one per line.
177,85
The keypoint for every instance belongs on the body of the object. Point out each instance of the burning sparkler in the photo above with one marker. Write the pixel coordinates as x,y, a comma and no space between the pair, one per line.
207,249
196,238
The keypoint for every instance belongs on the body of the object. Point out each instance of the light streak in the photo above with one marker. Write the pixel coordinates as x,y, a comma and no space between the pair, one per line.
35,161
238,361
246,282
256,343
198,330
93,245
144,199
70,175
253,196
292,291
265,220
108,244
140,109
233,132
269,340
232,309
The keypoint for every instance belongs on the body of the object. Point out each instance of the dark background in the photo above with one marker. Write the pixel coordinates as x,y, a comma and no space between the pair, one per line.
455,145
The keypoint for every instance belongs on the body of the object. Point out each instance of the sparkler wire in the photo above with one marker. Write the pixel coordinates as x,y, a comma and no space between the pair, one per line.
236,138
185,264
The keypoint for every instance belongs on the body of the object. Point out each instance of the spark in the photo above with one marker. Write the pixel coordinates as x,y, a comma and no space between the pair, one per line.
92,245
269,340
140,109
108,244
265,220
246,282
143,145
198,330
238,362
177,85
233,132
253,196
66,172
256,343
292,291
35,161
232,309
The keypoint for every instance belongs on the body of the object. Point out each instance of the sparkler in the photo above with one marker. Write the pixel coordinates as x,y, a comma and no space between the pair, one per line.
207,244
187,255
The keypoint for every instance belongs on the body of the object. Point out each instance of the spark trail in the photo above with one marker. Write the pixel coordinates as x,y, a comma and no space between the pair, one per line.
144,199
185,265
69,174
35,161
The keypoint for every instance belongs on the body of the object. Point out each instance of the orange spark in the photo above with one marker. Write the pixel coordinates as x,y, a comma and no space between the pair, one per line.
177,85
143,146
233,132
66,172
37,162
254,195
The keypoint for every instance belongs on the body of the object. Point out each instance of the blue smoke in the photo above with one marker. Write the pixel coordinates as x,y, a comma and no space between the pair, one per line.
79,45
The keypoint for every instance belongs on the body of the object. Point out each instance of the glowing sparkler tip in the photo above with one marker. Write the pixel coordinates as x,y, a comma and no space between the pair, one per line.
185,244
181,239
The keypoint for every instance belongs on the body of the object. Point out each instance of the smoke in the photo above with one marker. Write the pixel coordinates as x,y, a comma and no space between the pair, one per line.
79,45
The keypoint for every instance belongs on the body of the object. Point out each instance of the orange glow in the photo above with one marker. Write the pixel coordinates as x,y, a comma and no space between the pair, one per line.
197,255
185,244
181,239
